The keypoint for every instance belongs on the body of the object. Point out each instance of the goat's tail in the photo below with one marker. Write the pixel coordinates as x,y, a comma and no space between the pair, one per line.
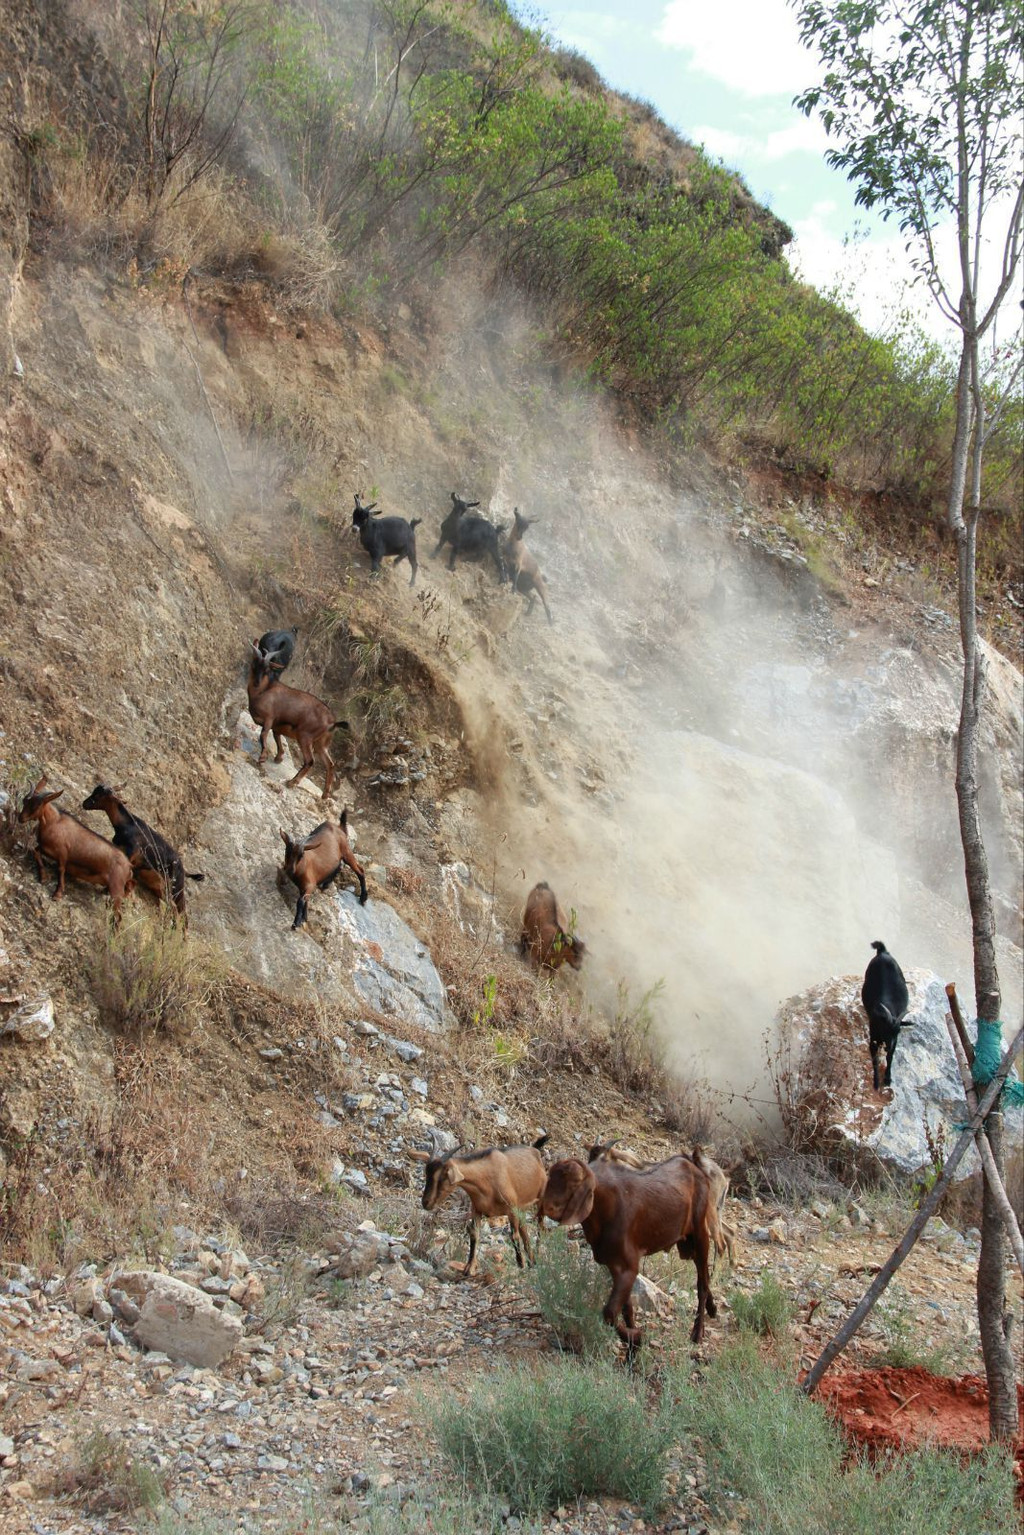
415,522
541,1140
340,725
194,876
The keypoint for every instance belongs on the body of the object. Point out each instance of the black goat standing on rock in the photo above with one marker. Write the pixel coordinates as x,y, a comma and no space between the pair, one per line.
886,999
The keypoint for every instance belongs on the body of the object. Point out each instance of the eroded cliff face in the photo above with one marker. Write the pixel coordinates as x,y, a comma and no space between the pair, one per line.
735,781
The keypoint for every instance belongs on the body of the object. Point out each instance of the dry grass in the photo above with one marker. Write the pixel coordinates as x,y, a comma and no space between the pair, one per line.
105,1477
150,975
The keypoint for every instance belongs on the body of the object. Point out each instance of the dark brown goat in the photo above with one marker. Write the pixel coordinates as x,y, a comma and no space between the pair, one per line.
626,1215
156,864
524,572
724,1236
314,861
74,848
286,711
544,938
499,1181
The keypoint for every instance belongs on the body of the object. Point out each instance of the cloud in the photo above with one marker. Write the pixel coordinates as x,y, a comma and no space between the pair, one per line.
755,146
751,46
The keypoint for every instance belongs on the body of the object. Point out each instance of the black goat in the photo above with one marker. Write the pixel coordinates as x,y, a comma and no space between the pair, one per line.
469,535
154,861
278,647
886,999
385,536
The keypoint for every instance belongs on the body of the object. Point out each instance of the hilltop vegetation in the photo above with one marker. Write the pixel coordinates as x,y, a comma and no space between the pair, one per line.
347,155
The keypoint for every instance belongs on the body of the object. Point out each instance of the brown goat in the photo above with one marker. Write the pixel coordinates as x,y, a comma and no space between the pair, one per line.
286,711
74,848
724,1235
626,1215
314,861
499,1181
524,572
544,938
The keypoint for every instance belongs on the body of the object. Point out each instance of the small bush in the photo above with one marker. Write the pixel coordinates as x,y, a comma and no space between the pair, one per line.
542,1438
150,975
903,1349
636,1054
767,1312
108,1478
570,1290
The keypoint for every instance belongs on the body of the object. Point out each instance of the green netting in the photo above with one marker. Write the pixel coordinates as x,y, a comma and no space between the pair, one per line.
988,1052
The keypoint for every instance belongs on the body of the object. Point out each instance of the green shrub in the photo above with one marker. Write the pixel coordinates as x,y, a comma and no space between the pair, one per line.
542,1437
767,1312
570,1289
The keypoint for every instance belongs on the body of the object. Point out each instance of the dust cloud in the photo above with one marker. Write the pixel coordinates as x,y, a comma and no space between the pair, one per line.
734,781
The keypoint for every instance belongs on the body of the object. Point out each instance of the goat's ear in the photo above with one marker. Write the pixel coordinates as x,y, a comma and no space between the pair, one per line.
118,788
40,786
419,1156
580,1201
53,794
284,836
455,499
373,507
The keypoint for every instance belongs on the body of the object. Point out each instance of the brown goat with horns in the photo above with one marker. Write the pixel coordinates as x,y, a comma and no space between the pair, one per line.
501,1180
628,1214
286,711
74,848
311,863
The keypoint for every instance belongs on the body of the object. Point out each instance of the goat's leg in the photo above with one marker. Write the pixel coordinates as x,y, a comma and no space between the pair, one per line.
360,876
705,1299
307,762
327,762
874,1047
474,1237
542,594
623,1279
301,908
265,731
412,561
58,889
279,743
890,1051
39,865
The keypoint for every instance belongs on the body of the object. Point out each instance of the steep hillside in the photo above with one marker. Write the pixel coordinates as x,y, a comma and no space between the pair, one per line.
730,753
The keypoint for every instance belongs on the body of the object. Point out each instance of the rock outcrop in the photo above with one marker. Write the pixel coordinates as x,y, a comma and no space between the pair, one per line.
825,1071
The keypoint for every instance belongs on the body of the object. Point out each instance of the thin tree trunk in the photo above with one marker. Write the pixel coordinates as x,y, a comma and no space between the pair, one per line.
993,1319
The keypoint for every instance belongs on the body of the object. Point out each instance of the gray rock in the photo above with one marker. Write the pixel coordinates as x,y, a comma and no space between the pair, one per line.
178,1319
33,1021
405,1051
417,1085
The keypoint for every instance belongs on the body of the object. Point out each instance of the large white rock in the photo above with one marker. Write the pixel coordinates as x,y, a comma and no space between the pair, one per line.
177,1319
826,1066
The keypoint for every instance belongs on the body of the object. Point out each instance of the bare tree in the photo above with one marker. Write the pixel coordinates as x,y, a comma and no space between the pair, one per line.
923,100
191,96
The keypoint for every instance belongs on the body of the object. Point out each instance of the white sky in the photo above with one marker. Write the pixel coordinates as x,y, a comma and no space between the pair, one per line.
724,76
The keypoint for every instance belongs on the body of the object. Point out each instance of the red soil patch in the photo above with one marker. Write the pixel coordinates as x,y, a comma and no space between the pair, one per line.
902,1409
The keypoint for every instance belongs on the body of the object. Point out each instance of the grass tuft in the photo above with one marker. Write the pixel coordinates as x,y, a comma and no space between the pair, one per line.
546,1437
767,1312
